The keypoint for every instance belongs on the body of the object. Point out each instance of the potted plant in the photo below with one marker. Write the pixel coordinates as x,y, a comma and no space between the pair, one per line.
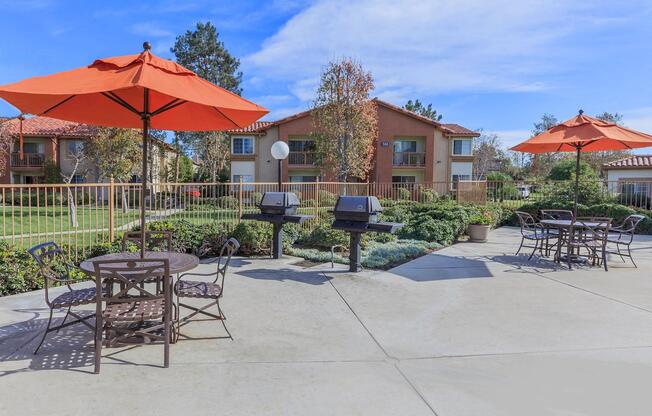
479,226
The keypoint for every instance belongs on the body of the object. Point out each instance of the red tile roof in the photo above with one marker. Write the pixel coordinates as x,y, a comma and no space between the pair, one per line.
632,162
457,130
450,129
257,127
46,126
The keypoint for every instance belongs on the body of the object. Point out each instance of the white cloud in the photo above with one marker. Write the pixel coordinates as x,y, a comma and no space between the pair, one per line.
639,119
150,29
510,138
416,48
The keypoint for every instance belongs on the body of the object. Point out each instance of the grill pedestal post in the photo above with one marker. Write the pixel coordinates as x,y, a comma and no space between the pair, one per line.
277,240
354,254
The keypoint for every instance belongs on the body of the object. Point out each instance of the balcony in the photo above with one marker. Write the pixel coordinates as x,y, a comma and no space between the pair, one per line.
302,158
30,160
409,159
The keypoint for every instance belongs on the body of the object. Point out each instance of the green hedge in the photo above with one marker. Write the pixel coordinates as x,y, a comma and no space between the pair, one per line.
616,211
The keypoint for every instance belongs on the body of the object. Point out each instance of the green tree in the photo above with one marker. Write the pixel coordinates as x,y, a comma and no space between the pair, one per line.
541,163
565,170
51,172
201,51
345,120
115,152
186,169
417,106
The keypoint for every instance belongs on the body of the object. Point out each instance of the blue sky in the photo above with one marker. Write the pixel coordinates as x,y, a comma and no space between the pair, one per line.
495,65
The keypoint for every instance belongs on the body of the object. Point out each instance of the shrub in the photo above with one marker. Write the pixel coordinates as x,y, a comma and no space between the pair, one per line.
187,237
564,170
255,237
18,271
228,202
386,255
256,197
325,236
327,199
427,195
403,194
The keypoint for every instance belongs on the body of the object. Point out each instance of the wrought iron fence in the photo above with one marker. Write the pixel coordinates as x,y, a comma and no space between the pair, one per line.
80,216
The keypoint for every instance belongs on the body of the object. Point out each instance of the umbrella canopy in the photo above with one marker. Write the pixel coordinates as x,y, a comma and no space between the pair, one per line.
134,91
584,134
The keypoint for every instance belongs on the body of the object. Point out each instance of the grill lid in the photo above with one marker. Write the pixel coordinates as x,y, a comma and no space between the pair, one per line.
358,204
279,199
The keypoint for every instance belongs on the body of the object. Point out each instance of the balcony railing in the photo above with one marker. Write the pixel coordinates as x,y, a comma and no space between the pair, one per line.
30,160
409,159
302,158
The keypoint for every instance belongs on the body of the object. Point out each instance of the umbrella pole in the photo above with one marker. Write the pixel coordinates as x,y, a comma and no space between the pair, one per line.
145,116
577,180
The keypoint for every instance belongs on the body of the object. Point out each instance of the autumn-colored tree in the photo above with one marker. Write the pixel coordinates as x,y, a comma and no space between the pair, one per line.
345,120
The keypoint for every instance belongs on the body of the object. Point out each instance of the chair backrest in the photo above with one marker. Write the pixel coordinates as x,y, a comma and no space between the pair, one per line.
54,265
557,214
154,240
527,222
131,275
595,229
631,222
228,250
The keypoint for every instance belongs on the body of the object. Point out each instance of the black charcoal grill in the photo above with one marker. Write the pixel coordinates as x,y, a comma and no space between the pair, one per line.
278,208
357,215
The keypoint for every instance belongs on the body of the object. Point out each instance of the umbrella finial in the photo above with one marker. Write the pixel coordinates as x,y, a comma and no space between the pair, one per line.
147,46
581,111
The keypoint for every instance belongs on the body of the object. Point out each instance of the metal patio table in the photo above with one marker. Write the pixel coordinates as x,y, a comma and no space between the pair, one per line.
564,228
179,262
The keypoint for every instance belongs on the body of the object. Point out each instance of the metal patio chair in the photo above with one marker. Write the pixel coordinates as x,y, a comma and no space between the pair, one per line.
623,235
531,230
154,240
133,312
557,214
591,235
54,267
212,291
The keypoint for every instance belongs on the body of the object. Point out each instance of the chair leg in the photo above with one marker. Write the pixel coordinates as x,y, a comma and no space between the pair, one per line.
536,245
604,259
629,250
64,319
619,253
520,247
223,319
47,329
98,342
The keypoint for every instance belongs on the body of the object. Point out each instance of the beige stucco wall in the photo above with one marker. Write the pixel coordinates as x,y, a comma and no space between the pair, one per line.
66,163
266,166
442,157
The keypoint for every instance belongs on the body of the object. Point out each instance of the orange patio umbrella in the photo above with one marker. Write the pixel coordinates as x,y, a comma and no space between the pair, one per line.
134,91
584,134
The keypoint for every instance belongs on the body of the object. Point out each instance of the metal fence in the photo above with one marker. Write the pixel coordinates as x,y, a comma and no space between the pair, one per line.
80,216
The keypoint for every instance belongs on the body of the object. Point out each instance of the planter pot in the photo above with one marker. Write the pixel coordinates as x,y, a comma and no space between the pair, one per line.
478,233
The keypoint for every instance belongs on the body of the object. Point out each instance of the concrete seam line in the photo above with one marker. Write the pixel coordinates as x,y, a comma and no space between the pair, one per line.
416,390
592,292
355,314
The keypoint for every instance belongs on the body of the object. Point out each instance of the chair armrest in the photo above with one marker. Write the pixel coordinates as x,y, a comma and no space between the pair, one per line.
197,274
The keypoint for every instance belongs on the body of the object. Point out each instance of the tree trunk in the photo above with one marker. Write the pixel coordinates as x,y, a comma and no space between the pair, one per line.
72,209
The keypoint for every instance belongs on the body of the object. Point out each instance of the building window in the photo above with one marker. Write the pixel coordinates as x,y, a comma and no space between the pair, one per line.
32,148
245,178
243,146
75,147
301,145
77,178
463,147
635,188
461,171
303,178
401,146
404,179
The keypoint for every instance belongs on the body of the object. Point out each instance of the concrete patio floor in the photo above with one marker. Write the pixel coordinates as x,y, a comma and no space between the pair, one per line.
468,330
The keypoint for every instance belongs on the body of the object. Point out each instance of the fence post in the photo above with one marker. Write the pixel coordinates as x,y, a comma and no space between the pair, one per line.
111,208
240,200
318,204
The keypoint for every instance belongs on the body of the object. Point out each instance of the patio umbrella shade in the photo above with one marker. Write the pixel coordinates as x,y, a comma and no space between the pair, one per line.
134,91
584,134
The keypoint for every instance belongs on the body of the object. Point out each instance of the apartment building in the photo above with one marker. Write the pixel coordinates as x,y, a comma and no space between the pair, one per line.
410,148
46,139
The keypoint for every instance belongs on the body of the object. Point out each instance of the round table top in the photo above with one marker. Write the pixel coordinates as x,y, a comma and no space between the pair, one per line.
568,223
179,262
